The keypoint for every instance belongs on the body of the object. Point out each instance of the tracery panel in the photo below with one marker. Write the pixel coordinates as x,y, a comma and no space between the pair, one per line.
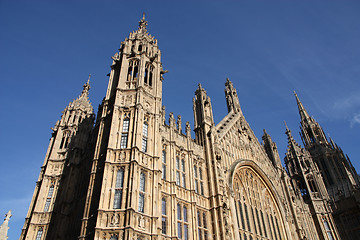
257,212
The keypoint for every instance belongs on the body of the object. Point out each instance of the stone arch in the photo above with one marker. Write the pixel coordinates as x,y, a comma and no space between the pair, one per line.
258,210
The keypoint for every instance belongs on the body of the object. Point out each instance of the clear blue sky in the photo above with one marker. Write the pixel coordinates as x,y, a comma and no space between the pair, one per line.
267,48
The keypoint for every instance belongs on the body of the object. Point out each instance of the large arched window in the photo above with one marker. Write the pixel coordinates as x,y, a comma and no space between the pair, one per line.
257,212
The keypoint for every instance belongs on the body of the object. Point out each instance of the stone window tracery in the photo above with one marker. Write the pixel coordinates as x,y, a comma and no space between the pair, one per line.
180,171
182,222
202,225
133,70
252,200
199,179
148,76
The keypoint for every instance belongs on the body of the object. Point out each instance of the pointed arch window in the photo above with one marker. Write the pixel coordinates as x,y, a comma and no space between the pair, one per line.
163,158
253,200
48,198
145,137
118,188
133,70
148,76
182,222
202,225
199,183
164,216
125,133
142,192
180,172
39,234
328,230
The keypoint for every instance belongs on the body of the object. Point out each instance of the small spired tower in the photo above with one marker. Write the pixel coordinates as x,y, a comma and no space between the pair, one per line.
55,210
340,177
338,173
203,115
306,177
232,99
5,226
271,150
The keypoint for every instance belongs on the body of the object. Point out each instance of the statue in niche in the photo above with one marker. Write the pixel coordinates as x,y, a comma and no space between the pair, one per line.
141,222
114,220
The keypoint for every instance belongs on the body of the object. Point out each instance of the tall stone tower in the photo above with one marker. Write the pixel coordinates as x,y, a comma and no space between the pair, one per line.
306,177
125,169
56,206
340,177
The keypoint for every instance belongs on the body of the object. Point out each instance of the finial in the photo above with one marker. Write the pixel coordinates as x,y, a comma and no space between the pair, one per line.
286,125
143,23
86,87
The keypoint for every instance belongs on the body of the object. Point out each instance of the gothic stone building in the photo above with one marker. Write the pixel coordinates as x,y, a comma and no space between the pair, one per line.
134,176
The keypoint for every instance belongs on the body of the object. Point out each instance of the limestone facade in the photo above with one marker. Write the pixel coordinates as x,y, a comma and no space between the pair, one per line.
134,175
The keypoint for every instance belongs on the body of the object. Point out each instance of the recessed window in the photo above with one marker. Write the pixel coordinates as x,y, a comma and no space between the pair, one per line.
142,192
49,197
118,188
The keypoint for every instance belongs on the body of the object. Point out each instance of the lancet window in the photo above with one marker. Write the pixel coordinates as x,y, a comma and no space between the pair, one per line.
180,171
65,140
164,216
328,230
202,225
125,132
118,188
182,222
133,71
39,234
257,213
148,76
199,179
142,192
164,165
145,137
49,197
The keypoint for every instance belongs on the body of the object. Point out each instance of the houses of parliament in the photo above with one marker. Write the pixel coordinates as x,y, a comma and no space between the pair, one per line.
129,173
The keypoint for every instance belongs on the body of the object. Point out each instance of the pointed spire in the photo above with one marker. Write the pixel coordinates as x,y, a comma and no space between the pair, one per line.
303,114
5,226
288,133
86,88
